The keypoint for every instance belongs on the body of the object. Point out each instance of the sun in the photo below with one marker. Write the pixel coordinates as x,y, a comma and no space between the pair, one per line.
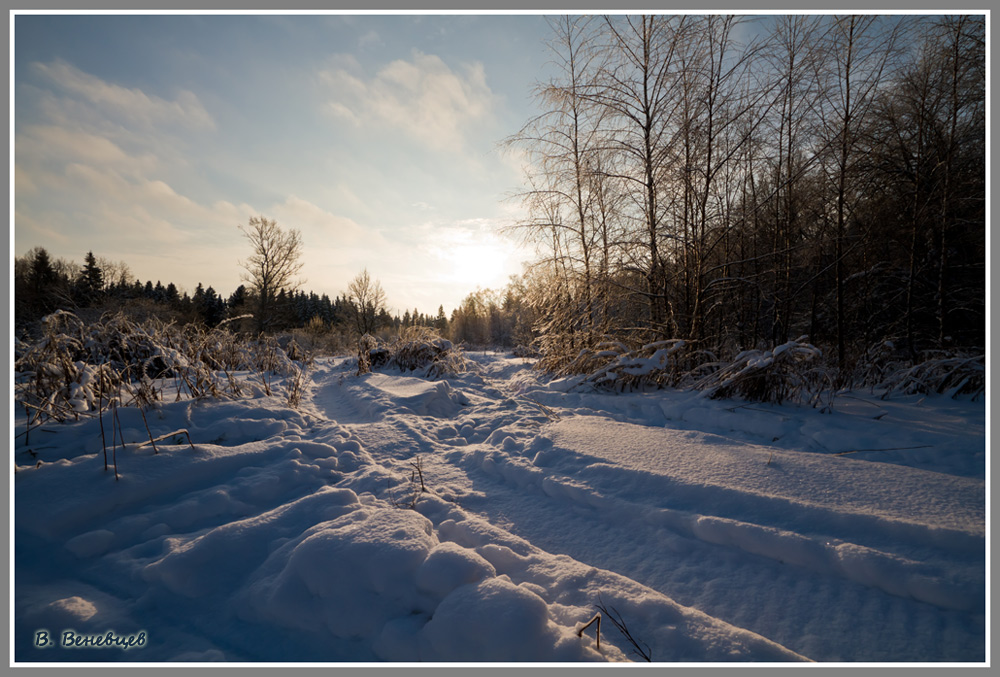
477,265
471,257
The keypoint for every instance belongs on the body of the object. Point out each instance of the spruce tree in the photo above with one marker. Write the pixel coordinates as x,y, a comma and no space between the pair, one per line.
90,284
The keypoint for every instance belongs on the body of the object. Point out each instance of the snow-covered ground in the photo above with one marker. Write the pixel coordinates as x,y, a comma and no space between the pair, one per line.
717,531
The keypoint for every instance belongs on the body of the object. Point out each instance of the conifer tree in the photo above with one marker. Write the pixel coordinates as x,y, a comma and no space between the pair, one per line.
91,281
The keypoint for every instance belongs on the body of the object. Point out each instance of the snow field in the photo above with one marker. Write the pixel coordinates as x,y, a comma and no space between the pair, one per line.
304,535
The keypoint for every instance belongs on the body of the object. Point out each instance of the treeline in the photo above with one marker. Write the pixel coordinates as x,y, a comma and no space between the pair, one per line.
824,177
43,284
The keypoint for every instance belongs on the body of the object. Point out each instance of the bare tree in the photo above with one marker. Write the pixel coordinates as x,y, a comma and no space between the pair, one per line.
115,272
638,88
962,50
686,185
858,51
273,265
792,59
564,143
367,299
720,112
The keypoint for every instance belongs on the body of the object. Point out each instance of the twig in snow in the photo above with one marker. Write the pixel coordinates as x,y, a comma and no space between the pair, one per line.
855,451
597,619
182,431
622,628
418,466
398,504
550,413
148,431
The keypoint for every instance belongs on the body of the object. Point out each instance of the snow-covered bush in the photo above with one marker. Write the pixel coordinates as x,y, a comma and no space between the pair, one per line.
953,374
885,368
877,363
76,368
367,344
612,365
420,348
791,371
654,364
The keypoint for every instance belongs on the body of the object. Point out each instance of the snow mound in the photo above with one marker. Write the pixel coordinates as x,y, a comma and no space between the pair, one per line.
381,573
498,621
421,397
350,575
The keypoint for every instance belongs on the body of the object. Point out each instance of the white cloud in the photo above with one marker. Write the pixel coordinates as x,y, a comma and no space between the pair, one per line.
91,167
319,223
59,145
371,39
341,111
23,183
423,98
128,104
93,172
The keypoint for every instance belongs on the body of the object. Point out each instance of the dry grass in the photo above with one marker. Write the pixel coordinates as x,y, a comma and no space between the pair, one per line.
76,369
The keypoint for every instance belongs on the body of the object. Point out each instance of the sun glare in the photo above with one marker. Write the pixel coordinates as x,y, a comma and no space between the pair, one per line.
478,265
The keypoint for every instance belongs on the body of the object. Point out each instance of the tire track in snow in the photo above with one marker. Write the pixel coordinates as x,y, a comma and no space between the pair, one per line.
762,594
706,561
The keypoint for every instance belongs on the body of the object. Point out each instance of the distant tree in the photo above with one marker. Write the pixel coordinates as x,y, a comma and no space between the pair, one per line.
39,287
213,308
328,310
239,301
66,270
172,295
441,322
367,302
272,266
114,273
42,282
90,284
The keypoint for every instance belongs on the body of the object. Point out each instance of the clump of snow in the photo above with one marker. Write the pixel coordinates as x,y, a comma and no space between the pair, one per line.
349,575
498,621
448,566
418,396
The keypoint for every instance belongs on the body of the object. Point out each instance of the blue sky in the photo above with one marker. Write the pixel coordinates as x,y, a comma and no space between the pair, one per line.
150,139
